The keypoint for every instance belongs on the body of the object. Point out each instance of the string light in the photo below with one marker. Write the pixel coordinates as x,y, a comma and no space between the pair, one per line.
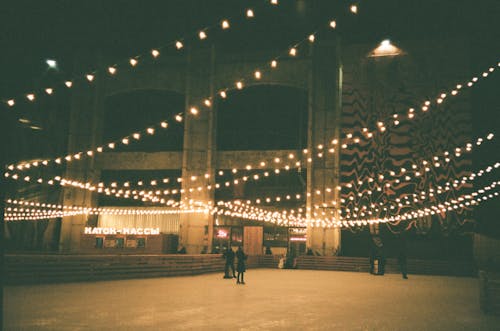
89,77
155,53
225,24
202,35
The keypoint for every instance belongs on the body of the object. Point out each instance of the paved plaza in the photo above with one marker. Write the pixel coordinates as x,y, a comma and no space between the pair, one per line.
270,300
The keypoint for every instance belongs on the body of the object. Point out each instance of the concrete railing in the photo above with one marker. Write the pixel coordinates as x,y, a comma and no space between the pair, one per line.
25,269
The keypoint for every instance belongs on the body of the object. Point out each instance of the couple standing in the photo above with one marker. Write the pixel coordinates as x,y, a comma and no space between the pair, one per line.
240,267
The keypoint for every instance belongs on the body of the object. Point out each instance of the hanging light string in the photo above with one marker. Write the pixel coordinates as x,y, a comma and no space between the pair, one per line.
417,169
153,54
432,194
136,136
396,119
155,194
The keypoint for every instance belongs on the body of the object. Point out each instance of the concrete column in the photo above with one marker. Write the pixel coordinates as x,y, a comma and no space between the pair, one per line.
199,151
325,91
85,131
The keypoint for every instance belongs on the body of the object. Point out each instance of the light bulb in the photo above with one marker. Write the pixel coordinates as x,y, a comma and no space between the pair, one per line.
333,24
49,91
293,51
90,77
223,94
68,83
155,53
178,45
11,102
202,35
30,97
257,75
225,24
274,63
311,38
250,13
112,70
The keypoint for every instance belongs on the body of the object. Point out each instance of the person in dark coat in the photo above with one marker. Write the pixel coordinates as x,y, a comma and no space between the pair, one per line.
229,256
402,256
240,267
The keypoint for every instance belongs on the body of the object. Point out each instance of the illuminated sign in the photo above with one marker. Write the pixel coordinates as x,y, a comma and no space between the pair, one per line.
298,239
222,234
140,231
298,231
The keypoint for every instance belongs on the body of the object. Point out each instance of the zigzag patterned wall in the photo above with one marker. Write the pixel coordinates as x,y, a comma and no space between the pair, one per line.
374,90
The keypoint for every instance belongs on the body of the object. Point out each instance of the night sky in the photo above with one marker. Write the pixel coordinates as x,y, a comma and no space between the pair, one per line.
33,31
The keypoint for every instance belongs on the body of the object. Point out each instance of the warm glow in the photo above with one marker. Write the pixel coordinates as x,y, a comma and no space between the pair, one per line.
68,83
49,91
112,70
11,102
178,118
311,38
385,49
293,51
239,85
354,9
333,24
155,53
207,102
163,125
274,63
194,111
202,35
178,45
250,13
225,24
30,97
90,77
223,94
257,75
133,62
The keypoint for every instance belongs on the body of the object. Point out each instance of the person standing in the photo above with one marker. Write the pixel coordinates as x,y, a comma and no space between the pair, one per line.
229,256
240,267
402,257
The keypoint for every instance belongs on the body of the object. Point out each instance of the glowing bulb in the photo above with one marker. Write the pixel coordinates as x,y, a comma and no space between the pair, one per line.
225,24
163,125
194,111
257,75
133,62
274,63
136,136
293,51
178,118
112,70
178,45
333,24
111,145
202,35
354,9
49,91
152,131
311,38
90,77
207,102
155,52
68,83
250,13
239,85
223,94
125,141
11,102
30,97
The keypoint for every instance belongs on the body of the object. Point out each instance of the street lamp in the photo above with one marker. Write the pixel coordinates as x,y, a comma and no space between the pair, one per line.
51,63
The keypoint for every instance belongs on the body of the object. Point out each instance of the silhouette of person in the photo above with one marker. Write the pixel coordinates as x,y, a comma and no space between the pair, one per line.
402,257
182,250
240,267
229,256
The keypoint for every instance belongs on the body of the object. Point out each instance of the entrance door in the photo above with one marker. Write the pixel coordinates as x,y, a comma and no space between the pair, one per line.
253,240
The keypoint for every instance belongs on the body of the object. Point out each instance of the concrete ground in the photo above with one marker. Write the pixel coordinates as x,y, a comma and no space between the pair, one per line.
270,300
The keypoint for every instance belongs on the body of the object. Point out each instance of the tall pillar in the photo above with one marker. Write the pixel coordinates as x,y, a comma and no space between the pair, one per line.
85,130
323,173
198,166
